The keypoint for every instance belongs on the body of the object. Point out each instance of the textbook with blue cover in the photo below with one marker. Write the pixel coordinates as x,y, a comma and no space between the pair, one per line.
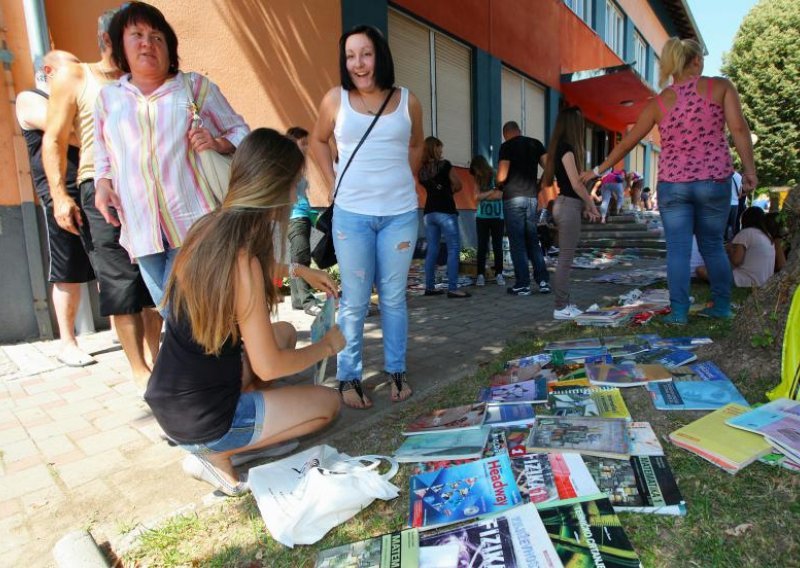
694,395
462,492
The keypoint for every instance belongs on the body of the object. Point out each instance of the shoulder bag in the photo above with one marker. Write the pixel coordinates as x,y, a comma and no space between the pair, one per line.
216,167
321,241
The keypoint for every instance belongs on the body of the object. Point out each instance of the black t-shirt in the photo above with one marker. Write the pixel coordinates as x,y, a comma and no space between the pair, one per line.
436,181
564,185
193,396
523,155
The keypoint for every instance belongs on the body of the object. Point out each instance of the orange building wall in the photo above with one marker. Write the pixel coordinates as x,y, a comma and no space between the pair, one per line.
646,22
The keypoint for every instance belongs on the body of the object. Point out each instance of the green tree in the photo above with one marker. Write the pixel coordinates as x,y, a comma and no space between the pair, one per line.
764,64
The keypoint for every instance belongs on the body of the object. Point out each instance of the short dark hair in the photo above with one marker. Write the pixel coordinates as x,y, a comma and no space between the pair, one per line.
384,65
511,126
297,133
141,13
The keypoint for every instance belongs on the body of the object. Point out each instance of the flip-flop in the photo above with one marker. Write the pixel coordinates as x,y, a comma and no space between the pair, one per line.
355,385
72,356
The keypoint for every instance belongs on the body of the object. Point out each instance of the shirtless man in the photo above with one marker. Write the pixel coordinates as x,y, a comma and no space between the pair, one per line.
123,294
69,263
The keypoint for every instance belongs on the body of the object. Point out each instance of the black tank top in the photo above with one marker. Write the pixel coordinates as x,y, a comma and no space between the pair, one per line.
435,178
193,396
33,139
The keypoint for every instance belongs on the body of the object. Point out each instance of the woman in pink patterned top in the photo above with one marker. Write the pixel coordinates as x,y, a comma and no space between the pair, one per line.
694,170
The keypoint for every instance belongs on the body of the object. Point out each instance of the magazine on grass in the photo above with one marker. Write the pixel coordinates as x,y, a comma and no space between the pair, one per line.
509,415
553,479
626,375
589,534
321,325
680,342
465,417
462,492
778,421
436,446
514,539
607,437
669,358
540,359
604,402
566,344
395,550
643,484
531,392
694,395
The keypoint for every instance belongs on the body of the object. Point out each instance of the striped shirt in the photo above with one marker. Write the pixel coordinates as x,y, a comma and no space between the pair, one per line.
142,146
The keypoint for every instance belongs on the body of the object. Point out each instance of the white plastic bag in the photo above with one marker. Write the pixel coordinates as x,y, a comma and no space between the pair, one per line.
304,496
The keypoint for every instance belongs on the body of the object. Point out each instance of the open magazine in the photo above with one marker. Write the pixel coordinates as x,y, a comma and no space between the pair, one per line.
319,327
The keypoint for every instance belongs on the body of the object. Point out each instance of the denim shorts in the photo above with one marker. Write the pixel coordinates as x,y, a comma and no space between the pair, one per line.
246,428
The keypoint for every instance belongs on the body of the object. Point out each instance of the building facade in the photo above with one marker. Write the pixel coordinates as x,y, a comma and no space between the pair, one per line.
474,64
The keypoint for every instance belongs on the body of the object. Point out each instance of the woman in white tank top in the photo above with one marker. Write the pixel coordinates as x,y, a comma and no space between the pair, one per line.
375,220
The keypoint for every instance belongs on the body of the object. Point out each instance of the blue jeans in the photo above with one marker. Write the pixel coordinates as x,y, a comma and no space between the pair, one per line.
373,249
155,269
436,225
245,430
607,190
523,237
698,208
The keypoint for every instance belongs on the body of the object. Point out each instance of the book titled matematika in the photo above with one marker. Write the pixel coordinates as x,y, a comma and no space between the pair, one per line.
605,437
694,395
514,539
531,392
643,484
461,444
395,550
778,421
547,480
626,375
467,417
725,446
589,534
462,492
604,402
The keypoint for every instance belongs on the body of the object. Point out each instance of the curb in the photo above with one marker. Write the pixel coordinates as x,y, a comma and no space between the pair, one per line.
78,549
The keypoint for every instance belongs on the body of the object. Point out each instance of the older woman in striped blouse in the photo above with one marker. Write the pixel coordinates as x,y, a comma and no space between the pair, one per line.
148,174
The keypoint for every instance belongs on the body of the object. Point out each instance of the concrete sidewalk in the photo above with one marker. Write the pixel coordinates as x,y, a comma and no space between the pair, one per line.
80,449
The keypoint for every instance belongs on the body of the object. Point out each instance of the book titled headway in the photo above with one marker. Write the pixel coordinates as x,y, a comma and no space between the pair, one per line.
606,437
514,539
395,550
462,492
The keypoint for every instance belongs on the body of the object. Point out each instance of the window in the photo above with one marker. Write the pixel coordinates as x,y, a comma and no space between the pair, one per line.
437,69
523,101
583,8
615,29
636,162
656,71
640,55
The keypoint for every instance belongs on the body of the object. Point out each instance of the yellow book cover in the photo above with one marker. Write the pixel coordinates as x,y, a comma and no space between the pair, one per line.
712,437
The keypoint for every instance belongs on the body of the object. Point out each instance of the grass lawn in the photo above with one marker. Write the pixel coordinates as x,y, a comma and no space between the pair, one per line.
751,519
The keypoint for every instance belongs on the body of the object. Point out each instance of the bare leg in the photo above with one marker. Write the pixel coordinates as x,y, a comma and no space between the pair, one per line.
290,412
152,321
130,330
66,299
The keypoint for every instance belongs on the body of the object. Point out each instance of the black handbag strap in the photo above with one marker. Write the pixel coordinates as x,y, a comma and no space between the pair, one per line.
363,138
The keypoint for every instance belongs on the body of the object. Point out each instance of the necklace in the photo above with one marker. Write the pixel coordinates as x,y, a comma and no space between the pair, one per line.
364,105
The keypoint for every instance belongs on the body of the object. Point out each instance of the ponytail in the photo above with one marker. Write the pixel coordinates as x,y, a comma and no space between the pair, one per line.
675,56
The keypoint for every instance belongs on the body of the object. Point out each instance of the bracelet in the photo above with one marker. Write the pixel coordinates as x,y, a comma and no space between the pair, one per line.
596,171
293,270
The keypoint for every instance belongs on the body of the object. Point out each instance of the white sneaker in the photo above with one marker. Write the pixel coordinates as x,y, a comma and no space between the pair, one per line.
481,280
501,280
568,312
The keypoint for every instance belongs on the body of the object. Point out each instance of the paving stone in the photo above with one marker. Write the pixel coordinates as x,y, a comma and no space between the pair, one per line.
66,457
23,464
38,399
65,426
11,435
32,479
74,409
55,446
19,450
106,440
91,468
10,508
47,498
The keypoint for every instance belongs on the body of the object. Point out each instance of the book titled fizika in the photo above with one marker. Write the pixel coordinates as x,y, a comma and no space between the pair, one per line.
462,492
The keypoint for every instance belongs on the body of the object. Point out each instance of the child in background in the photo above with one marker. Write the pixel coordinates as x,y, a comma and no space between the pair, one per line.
613,186
488,219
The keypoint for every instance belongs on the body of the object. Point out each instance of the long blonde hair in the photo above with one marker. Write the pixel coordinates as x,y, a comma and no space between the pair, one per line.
571,129
676,54
251,220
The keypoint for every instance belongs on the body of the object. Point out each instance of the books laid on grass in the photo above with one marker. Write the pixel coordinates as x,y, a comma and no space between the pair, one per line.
462,492
567,344
465,417
694,395
779,459
429,466
514,539
396,550
540,359
553,479
509,415
617,341
778,421
708,371
712,439
562,357
626,375
436,446
603,318
605,402
321,325
680,342
589,534
531,392
669,358
643,441
606,437
643,484
513,375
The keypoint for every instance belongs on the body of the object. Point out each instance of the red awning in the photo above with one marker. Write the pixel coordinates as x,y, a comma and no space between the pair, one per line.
612,97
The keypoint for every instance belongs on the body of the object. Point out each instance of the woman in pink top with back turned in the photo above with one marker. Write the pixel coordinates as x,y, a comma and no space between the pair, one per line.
694,170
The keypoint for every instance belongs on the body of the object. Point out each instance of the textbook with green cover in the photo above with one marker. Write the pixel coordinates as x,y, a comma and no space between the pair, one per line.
395,550
725,446
603,402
